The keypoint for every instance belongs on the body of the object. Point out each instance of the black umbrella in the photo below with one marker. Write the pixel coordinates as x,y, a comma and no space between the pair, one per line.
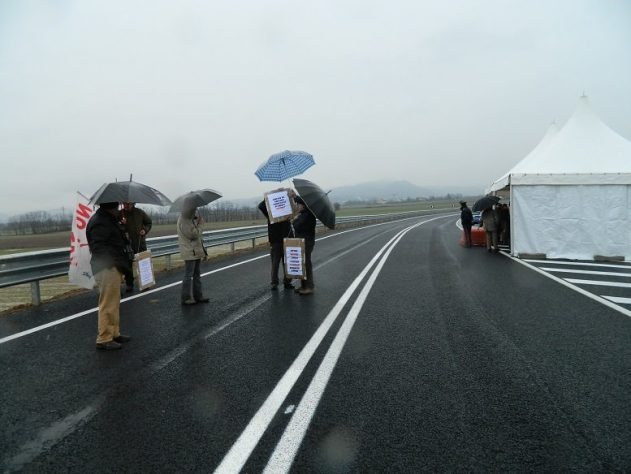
317,201
129,191
485,202
194,199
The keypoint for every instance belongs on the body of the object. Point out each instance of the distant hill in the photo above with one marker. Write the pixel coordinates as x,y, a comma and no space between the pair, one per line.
383,190
396,191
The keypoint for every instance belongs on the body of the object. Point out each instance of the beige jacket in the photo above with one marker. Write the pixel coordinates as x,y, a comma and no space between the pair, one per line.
189,236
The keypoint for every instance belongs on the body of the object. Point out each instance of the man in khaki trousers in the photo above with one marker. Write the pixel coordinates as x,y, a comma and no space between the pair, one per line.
107,242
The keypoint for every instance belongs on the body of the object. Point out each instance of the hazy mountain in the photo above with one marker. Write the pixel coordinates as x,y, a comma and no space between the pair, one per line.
376,190
395,191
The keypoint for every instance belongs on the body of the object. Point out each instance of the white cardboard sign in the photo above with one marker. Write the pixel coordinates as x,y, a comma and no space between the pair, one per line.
279,205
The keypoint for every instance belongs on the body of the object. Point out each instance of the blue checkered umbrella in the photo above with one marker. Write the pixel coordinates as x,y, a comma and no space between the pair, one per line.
284,165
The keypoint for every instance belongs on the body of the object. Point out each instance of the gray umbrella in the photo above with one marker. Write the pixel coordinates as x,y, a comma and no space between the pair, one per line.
194,199
317,201
129,191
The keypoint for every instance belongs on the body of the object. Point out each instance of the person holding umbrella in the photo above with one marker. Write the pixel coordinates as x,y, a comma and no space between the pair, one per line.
189,232
275,234
304,227
107,243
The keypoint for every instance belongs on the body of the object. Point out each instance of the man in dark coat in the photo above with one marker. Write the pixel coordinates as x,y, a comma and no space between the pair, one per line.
304,227
107,242
275,235
466,219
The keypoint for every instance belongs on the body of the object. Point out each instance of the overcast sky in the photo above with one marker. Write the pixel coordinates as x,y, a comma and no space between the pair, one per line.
192,94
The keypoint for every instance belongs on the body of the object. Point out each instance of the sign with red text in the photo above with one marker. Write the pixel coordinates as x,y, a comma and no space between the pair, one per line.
295,258
80,271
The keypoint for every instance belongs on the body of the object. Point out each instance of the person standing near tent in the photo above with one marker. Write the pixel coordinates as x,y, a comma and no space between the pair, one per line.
466,219
137,225
489,222
275,235
109,262
189,233
304,227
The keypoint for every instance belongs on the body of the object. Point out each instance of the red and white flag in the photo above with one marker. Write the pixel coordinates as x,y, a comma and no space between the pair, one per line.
80,271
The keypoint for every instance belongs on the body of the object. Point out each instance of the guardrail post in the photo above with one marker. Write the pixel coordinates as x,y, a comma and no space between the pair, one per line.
35,294
254,242
232,247
167,262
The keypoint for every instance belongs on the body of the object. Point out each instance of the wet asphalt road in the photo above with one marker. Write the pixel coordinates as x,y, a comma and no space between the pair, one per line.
441,359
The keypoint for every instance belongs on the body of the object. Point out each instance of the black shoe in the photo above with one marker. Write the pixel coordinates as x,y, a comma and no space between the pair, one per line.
273,286
108,346
121,339
288,286
188,302
203,300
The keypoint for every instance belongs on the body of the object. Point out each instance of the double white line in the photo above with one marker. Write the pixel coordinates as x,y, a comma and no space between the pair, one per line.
287,447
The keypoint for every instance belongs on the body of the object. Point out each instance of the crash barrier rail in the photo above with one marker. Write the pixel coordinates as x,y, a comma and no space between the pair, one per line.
33,267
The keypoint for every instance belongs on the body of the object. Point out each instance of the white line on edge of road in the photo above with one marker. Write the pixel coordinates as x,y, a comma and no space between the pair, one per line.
242,448
286,449
170,285
563,282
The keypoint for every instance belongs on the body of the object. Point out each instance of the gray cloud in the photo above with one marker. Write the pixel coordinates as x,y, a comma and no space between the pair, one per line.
188,94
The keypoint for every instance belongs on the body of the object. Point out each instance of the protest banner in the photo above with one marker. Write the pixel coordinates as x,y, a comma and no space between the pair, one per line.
80,270
295,258
280,206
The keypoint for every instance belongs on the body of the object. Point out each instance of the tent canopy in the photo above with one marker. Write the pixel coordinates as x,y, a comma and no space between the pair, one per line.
584,151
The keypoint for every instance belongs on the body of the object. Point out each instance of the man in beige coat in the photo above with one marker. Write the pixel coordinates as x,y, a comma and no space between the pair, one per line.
189,232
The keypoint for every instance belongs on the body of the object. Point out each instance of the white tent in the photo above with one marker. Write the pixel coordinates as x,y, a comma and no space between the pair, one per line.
570,197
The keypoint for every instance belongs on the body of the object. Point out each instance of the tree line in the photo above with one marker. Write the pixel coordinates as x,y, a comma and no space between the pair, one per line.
43,222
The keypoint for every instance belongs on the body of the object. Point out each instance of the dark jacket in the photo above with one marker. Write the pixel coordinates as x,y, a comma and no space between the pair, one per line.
137,220
275,232
304,225
107,242
466,216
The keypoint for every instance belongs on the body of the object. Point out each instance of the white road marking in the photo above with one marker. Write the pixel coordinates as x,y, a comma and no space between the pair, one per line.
241,450
567,284
618,299
290,409
286,449
585,272
598,283
577,264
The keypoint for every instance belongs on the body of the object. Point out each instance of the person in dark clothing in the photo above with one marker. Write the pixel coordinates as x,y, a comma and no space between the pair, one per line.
107,243
466,219
275,235
504,224
137,224
304,228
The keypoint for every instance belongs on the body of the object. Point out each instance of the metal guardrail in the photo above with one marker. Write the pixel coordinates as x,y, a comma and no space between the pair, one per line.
32,267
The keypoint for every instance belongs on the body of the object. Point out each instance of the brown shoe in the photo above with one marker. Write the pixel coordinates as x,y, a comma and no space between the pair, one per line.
108,346
305,291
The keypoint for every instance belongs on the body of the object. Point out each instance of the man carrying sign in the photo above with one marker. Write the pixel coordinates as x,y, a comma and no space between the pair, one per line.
275,234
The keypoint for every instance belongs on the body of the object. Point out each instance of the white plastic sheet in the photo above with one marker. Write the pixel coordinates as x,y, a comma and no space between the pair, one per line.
573,222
